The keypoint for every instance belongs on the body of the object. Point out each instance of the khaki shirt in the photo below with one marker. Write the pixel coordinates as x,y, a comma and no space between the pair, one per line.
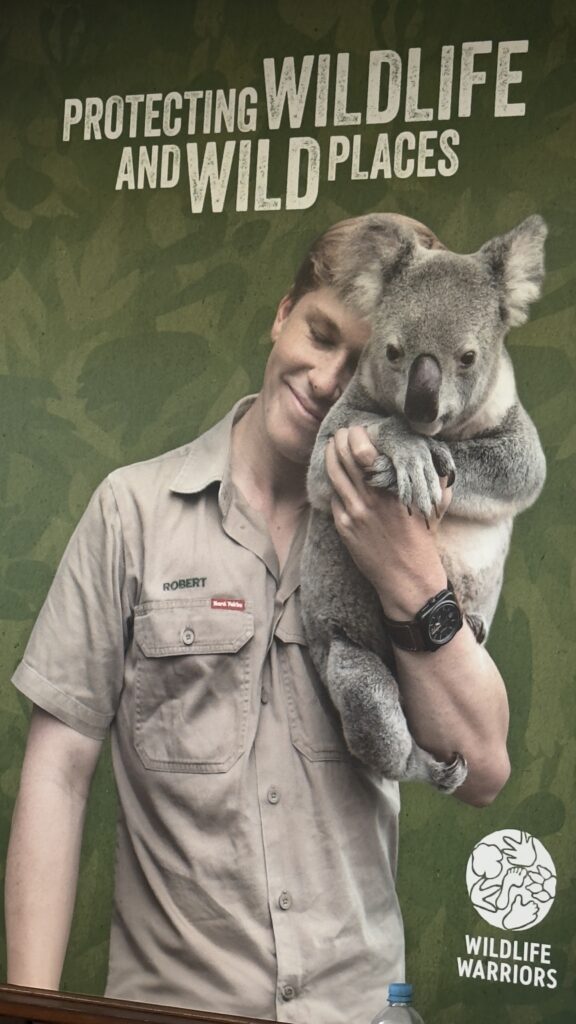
255,857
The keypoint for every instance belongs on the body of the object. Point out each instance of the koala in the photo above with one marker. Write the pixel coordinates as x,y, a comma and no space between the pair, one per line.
435,389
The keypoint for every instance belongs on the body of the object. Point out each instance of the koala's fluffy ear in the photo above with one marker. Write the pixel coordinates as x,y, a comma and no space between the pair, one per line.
516,260
377,251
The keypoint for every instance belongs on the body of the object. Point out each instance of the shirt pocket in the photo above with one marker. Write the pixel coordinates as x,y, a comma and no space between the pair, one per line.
192,684
315,727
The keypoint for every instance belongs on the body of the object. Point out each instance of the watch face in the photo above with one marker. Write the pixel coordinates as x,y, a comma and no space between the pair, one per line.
443,623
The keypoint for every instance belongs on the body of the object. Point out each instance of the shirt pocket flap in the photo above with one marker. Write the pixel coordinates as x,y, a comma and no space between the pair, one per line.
167,628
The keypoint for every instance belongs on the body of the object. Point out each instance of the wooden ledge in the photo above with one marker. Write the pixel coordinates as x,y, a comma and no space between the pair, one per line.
33,1004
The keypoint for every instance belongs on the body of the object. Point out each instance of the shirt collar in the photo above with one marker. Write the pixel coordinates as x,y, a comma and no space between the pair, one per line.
208,457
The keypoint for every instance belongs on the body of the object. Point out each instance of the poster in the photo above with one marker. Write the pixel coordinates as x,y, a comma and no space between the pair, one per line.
144,246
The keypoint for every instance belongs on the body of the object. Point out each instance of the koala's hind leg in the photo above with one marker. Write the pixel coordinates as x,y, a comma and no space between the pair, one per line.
366,695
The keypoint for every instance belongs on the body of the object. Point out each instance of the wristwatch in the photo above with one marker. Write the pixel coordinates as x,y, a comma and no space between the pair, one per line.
434,626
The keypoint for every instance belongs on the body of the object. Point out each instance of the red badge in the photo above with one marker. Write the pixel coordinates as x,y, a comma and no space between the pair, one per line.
229,604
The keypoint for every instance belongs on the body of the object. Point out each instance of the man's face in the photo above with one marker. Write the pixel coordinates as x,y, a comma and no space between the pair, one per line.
317,344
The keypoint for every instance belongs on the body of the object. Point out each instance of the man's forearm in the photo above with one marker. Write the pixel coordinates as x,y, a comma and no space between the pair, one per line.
41,878
44,850
455,701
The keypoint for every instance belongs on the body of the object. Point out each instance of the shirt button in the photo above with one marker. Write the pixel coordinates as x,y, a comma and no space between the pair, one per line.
285,900
188,636
288,992
273,795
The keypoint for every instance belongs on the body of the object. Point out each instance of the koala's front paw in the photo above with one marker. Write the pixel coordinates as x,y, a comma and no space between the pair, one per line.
417,480
409,464
382,474
442,459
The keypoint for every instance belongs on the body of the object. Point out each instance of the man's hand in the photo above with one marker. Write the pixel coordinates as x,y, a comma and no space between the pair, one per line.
395,550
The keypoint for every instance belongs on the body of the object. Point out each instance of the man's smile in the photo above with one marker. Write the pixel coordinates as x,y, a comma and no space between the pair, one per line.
313,412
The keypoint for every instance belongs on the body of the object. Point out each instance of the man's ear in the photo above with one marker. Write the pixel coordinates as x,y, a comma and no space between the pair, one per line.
285,307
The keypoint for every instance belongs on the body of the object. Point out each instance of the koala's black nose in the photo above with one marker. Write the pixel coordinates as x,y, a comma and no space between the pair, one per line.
422,394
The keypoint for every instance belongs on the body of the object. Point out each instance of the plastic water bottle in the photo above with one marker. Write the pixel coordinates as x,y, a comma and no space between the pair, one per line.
399,1009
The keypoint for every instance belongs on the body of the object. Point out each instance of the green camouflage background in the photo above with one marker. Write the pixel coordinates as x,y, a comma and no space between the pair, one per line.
128,325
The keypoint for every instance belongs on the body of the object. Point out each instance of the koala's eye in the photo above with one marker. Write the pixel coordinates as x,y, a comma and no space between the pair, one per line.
468,358
393,353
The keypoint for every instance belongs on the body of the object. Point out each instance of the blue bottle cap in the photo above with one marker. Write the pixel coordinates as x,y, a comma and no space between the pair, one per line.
399,993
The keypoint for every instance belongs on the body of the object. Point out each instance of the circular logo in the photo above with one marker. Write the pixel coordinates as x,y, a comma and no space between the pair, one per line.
511,879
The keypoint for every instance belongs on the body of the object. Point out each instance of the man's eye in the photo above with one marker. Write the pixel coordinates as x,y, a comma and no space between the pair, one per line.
321,339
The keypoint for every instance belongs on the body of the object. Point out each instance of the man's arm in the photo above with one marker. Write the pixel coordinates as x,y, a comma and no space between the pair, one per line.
454,698
44,849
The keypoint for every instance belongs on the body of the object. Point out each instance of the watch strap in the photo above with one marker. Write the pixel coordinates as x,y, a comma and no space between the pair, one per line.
412,635
407,635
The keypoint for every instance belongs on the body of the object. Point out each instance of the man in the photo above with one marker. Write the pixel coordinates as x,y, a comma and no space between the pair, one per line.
256,859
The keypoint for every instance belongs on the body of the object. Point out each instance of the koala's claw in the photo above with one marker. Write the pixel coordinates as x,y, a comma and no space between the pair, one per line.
449,777
442,459
444,775
418,486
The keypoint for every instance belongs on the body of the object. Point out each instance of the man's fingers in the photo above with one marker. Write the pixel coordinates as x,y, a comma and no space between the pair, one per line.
444,504
347,459
345,476
361,447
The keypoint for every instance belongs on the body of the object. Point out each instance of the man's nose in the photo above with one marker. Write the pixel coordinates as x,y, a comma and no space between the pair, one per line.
327,382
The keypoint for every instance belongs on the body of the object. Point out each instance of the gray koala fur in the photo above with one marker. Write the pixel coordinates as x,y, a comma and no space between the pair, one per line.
435,387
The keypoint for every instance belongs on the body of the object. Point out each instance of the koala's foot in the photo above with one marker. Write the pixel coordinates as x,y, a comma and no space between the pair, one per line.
478,626
445,776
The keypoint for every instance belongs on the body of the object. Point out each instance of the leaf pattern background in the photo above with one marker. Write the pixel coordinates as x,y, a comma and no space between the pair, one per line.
128,325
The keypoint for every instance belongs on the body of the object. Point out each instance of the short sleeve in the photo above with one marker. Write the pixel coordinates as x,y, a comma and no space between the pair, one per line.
73,665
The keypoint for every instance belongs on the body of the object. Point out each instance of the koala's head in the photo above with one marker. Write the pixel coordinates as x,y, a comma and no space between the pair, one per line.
439,318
